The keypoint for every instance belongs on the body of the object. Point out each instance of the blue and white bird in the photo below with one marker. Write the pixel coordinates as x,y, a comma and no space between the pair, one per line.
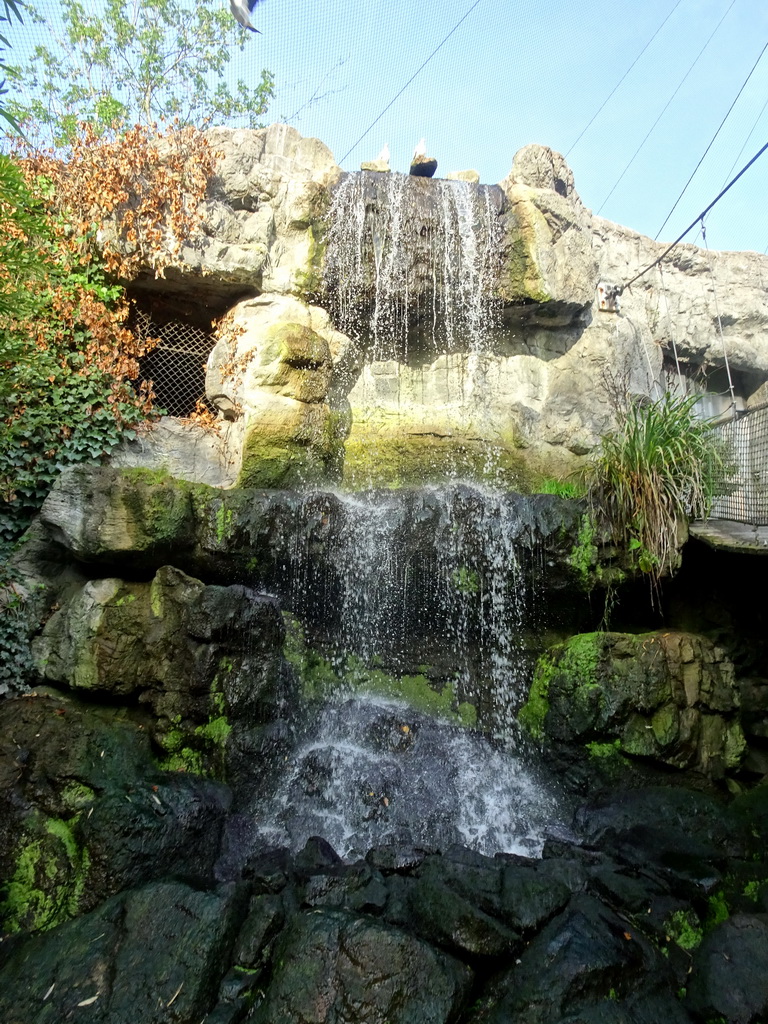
241,9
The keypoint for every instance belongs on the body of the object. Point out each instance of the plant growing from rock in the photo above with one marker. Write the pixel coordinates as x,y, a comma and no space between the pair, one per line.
69,231
656,469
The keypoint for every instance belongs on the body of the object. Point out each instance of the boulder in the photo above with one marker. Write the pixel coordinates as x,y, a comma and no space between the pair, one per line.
551,258
185,450
327,962
666,696
585,957
206,660
729,972
86,812
133,958
275,368
261,221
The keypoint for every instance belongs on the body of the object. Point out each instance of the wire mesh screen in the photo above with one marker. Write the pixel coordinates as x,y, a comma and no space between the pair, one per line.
177,365
743,491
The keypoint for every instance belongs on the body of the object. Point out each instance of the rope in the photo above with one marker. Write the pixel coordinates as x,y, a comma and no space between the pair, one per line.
700,218
720,324
416,72
711,142
667,104
611,93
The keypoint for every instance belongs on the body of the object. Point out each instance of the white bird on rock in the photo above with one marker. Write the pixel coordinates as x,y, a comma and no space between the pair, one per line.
241,9
384,154
421,150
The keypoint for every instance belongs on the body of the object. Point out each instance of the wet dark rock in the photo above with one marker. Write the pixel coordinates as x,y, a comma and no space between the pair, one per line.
318,856
438,913
530,896
330,966
729,978
357,888
134,522
266,916
206,659
585,955
88,813
395,857
131,960
753,693
677,838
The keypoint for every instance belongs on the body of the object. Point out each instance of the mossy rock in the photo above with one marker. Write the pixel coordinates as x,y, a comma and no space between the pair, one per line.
411,459
319,679
666,697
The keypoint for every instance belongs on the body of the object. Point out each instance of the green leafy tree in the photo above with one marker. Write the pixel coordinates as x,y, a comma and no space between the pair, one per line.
11,9
135,61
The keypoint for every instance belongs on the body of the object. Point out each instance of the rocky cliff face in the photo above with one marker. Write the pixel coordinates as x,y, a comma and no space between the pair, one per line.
390,329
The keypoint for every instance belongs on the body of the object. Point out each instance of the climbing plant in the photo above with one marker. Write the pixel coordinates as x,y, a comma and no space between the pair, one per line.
656,469
70,234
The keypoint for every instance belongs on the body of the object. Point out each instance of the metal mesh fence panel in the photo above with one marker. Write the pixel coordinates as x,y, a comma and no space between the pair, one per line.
176,366
743,490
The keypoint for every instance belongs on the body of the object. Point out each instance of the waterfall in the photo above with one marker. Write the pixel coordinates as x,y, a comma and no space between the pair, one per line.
409,608
410,602
412,262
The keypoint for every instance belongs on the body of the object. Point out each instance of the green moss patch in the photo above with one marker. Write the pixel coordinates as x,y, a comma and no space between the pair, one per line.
48,880
412,459
320,679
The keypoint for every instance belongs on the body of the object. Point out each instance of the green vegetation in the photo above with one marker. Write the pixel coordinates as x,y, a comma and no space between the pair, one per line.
225,518
16,665
752,890
583,557
684,928
656,469
412,459
48,882
718,910
562,488
465,581
577,659
603,750
131,63
11,9
533,713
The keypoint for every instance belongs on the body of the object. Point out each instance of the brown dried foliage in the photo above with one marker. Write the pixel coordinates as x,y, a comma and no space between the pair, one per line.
140,194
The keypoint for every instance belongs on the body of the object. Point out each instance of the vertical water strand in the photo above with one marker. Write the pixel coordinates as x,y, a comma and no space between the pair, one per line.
506,608
367,563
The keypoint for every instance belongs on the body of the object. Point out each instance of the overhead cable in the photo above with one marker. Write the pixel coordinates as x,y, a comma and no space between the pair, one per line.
667,104
599,111
711,141
744,144
698,220
416,72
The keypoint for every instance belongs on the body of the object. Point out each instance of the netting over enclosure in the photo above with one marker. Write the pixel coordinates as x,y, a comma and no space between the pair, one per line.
743,495
176,366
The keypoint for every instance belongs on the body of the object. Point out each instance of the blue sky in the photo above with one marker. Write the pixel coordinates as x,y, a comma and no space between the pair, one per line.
519,71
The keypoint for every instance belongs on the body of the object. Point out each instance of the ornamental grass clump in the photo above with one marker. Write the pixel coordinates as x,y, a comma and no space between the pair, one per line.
660,466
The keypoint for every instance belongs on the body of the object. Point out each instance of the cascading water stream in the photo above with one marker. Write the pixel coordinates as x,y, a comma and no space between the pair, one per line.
408,602
403,262
416,599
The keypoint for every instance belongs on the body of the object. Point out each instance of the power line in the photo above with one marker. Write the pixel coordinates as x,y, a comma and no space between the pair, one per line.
699,219
416,72
610,94
711,142
667,104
